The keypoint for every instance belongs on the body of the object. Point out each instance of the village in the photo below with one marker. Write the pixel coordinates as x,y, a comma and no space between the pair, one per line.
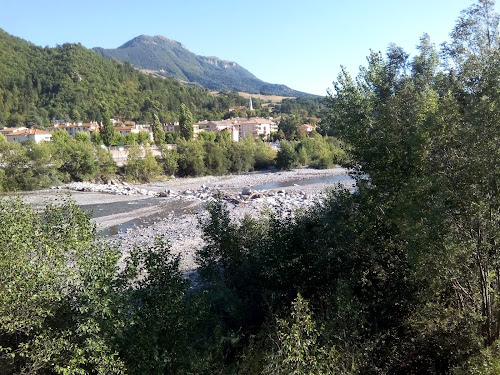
238,128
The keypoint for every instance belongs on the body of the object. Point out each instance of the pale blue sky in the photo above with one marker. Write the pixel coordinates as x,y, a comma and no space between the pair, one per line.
301,44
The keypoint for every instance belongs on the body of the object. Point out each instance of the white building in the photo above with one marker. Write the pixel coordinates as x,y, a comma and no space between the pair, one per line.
6,131
258,127
36,135
175,128
73,128
124,130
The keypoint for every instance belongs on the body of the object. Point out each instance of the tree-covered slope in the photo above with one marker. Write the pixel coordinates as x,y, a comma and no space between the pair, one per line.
69,82
171,59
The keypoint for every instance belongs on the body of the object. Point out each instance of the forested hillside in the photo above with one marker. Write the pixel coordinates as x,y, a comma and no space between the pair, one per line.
70,81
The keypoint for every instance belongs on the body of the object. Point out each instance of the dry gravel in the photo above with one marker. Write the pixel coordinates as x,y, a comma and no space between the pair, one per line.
182,229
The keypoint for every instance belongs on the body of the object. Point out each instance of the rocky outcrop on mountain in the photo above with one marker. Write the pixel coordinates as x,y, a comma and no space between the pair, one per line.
168,58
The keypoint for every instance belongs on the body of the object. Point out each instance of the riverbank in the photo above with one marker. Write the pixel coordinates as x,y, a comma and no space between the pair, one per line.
135,214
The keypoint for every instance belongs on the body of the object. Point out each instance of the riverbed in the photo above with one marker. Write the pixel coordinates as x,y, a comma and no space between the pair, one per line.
138,218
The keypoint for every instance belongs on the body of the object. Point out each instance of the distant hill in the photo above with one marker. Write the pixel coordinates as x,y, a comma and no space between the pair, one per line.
70,81
169,58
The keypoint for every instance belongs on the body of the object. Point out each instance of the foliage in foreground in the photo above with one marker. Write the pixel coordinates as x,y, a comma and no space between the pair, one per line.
402,274
67,307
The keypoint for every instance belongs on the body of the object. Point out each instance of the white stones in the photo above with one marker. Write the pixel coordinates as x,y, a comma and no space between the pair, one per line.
112,189
280,199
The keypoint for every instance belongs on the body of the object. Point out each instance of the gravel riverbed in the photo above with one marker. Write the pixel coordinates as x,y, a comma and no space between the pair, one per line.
172,208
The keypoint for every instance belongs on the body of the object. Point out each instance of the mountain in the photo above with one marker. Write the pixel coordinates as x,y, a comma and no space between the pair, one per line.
169,58
71,81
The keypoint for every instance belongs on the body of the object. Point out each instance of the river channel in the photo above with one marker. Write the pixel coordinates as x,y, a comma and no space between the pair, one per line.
115,217
117,214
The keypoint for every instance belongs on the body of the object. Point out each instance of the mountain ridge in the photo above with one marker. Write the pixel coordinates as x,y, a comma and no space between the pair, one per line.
170,58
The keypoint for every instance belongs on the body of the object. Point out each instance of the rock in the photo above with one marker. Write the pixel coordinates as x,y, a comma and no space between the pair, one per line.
246,191
236,202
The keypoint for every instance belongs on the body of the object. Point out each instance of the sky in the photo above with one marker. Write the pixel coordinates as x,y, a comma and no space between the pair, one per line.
299,43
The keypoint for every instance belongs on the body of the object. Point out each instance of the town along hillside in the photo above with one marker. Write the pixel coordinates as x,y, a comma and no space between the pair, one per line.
70,82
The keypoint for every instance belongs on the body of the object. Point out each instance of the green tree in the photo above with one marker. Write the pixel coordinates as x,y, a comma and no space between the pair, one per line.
239,154
106,165
158,133
290,126
156,340
106,128
141,165
191,158
143,138
77,159
186,121
170,160
471,137
298,351
215,159
82,137
56,302
287,157
264,155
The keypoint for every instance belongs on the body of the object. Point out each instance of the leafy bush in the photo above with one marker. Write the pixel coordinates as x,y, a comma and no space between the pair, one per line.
170,161
191,158
57,305
287,157
141,168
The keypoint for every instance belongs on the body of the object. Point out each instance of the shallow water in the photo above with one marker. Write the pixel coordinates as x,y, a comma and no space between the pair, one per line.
144,212
161,208
310,181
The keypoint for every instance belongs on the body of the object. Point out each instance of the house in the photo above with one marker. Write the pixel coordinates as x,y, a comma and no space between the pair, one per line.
174,128
238,127
258,127
241,127
73,128
231,125
6,131
128,129
307,128
36,135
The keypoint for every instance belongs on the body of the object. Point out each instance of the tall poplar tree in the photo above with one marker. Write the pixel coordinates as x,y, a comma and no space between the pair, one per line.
106,128
186,121
158,132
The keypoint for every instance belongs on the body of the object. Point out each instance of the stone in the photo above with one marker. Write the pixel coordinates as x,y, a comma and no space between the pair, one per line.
246,191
